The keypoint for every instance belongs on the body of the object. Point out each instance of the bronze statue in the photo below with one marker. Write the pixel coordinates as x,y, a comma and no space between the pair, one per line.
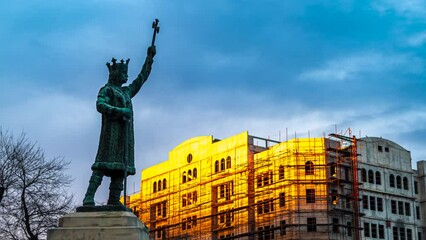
115,156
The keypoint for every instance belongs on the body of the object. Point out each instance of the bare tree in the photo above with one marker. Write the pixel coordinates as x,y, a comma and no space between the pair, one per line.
37,196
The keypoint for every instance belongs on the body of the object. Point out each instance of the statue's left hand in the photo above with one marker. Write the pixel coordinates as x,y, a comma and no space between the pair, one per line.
151,51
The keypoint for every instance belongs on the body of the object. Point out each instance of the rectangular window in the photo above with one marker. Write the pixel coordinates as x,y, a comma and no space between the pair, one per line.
349,226
365,201
374,230
259,208
335,225
400,208
334,197
417,212
395,233
372,203
402,233
381,231
282,199
260,233
393,206
283,226
348,203
419,235
407,209
409,234
333,170
380,204
312,224
310,195
346,174
416,187
366,229
380,148
386,149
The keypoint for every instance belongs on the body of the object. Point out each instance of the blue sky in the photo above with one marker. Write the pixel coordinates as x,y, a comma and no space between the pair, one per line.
222,67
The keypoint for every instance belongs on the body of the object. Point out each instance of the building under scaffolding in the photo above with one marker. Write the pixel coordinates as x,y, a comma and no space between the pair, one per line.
246,187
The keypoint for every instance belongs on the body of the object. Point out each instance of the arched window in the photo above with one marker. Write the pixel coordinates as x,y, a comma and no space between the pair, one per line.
363,175
398,181
164,184
184,177
281,172
228,162
194,173
222,164
405,183
309,168
189,175
370,176
159,185
392,180
378,178
216,166
154,187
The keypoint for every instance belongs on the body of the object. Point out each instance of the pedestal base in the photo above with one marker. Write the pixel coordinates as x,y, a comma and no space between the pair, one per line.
99,226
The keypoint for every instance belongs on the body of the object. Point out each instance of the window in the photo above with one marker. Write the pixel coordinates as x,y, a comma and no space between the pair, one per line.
365,201
398,182
381,231
283,228
265,206
380,148
393,206
222,164
309,168
405,183
395,233
281,172
417,212
264,179
310,195
189,158
349,227
282,199
216,166
346,173
164,183
407,209
416,188
392,180
378,178
386,149
409,234
334,197
333,170
419,235
380,204
164,208
372,203
184,177
374,230
400,208
348,202
159,185
189,175
335,225
154,187
366,229
402,233
363,175
370,176
312,224
228,162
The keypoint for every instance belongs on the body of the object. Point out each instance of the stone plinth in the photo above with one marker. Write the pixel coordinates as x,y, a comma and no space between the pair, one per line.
99,226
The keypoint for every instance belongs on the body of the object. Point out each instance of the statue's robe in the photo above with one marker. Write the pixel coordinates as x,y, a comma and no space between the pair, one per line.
110,156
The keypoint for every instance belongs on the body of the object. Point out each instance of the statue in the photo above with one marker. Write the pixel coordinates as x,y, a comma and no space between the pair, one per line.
115,156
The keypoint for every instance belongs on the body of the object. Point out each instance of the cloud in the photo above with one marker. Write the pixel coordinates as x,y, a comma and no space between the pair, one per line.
417,40
354,66
408,8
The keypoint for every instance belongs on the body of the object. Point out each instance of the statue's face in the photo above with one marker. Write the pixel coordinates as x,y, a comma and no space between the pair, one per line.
119,78
122,77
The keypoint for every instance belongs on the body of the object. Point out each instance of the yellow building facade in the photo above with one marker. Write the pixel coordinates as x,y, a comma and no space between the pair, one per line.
246,187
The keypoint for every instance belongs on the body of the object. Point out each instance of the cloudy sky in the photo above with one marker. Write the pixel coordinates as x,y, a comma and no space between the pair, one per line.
222,67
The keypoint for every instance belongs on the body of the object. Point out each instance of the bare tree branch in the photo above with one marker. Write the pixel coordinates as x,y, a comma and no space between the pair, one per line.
34,193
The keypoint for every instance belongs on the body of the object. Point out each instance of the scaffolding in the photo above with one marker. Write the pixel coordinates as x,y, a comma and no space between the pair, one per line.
246,187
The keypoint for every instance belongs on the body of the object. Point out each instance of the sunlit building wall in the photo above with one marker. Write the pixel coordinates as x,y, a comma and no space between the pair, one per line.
246,187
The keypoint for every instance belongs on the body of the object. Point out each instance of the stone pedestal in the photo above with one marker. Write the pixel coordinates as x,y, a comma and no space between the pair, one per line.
99,226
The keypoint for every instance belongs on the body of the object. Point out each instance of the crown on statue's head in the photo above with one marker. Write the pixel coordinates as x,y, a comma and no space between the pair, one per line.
118,67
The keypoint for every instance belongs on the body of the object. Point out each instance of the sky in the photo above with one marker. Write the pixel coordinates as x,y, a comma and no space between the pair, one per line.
222,67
